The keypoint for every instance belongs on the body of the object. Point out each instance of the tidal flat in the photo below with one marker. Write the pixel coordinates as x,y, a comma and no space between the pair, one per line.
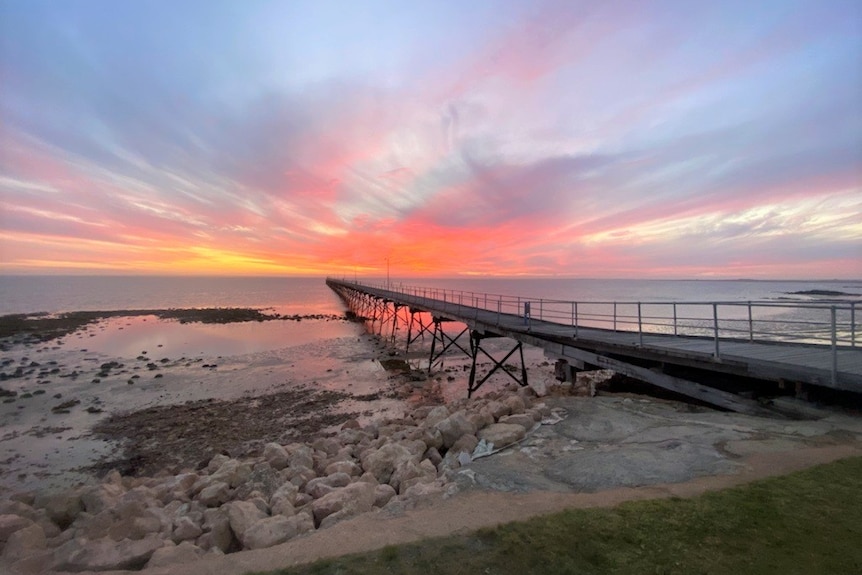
146,390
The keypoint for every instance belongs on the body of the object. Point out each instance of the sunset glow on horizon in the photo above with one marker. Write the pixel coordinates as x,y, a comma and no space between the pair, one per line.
627,139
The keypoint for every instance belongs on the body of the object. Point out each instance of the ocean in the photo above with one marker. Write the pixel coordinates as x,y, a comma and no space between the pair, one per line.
290,295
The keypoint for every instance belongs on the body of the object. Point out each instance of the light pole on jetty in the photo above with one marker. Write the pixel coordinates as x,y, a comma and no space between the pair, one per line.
387,273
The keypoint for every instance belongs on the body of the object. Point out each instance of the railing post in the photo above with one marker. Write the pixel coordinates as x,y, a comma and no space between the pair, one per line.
499,306
615,316
852,324
715,327
834,349
750,323
541,306
674,319
640,327
576,319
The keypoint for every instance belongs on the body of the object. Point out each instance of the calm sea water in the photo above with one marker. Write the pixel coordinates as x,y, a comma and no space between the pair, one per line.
29,294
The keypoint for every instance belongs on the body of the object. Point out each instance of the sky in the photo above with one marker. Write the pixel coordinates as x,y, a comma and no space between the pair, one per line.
617,139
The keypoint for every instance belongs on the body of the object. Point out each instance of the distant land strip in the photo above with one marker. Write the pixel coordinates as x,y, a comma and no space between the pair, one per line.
45,327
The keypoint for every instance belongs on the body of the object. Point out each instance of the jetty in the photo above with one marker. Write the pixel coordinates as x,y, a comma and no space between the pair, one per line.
689,348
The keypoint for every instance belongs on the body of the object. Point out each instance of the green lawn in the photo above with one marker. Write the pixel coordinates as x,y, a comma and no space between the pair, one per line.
807,523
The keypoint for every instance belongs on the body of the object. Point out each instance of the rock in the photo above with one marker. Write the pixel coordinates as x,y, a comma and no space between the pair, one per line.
382,494
185,552
276,455
421,490
185,529
320,486
24,542
61,507
411,474
433,456
135,527
454,426
436,415
231,472
263,479
349,467
351,424
465,443
299,476
382,462
270,531
300,455
515,404
100,497
105,554
283,500
525,420
498,409
9,524
242,515
344,502
215,495
216,462
218,532
327,445
502,434
539,386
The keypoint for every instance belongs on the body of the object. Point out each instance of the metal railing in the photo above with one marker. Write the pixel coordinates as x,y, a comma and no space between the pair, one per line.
831,323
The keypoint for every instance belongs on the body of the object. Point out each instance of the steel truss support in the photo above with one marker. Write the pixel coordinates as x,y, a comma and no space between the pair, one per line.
476,347
445,340
423,329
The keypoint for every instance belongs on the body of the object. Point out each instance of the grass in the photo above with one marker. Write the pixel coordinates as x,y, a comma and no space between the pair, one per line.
808,522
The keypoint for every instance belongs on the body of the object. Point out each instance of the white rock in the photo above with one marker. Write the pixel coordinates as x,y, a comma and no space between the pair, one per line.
383,462
215,494
242,515
276,455
454,426
24,542
185,552
185,529
502,434
9,524
106,554
269,531
346,501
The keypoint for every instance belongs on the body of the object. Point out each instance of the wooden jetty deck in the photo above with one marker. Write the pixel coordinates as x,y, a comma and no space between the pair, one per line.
656,358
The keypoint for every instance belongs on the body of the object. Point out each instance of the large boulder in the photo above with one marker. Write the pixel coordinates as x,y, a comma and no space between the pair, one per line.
24,542
525,420
100,497
454,426
62,507
9,524
217,529
270,531
185,552
276,455
300,455
215,494
106,554
320,486
345,502
383,461
502,434
242,515
185,529
232,472
436,415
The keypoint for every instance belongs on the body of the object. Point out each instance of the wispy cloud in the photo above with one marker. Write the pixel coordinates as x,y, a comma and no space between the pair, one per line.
612,139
